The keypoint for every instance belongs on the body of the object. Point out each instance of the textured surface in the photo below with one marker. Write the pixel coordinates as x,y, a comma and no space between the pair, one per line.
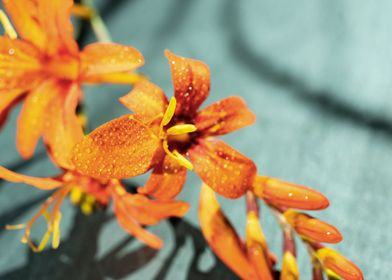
316,73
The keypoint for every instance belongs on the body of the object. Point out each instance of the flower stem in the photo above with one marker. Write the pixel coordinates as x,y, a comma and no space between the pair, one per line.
97,23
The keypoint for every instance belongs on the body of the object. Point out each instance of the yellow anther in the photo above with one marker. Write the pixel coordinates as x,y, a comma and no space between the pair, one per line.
76,195
15,227
182,160
82,11
87,208
90,199
82,120
253,229
44,241
9,29
289,267
169,113
181,129
56,231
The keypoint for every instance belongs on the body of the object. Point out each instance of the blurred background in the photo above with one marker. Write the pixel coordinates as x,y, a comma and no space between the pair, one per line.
318,76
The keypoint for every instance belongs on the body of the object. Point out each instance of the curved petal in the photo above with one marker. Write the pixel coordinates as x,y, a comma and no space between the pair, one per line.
224,169
62,129
146,99
312,228
105,58
121,148
7,100
41,183
224,116
24,14
55,20
32,117
19,65
166,180
128,223
191,81
149,212
221,235
284,194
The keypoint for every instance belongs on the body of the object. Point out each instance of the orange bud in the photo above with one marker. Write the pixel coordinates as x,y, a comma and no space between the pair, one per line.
312,228
337,263
285,194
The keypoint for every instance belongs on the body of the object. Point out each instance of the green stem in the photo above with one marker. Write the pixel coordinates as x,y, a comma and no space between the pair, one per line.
97,23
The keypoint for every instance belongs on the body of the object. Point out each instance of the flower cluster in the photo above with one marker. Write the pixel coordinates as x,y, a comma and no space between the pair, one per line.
45,70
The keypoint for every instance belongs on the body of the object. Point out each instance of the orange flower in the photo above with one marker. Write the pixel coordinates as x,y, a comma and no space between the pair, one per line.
131,211
45,68
162,134
282,194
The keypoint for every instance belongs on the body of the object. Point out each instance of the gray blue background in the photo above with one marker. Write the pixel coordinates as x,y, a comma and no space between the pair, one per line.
318,76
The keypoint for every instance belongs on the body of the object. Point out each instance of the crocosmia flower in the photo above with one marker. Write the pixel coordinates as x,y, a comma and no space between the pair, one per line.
131,210
45,68
171,137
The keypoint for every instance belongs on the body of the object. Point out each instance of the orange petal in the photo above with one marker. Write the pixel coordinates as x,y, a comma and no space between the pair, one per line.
257,247
32,117
55,19
62,129
105,58
121,148
148,212
41,183
285,194
191,81
19,65
221,236
343,267
24,16
146,99
224,116
7,101
224,169
128,223
166,180
312,228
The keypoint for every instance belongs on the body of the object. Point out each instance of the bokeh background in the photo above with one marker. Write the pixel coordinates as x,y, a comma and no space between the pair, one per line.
318,76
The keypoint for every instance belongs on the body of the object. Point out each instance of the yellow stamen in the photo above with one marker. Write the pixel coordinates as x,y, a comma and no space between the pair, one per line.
177,156
76,195
56,231
15,227
181,129
171,108
9,29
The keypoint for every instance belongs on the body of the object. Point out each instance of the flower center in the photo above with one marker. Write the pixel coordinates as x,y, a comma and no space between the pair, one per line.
179,133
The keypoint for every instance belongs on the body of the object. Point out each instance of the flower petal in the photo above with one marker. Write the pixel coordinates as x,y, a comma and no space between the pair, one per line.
343,267
105,58
224,169
166,180
129,224
221,235
62,129
312,228
24,15
55,20
191,81
19,65
146,99
121,148
41,183
149,212
32,117
280,193
224,116
7,100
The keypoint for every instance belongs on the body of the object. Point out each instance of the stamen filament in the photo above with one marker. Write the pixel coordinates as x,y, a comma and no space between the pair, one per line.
15,227
9,29
181,129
